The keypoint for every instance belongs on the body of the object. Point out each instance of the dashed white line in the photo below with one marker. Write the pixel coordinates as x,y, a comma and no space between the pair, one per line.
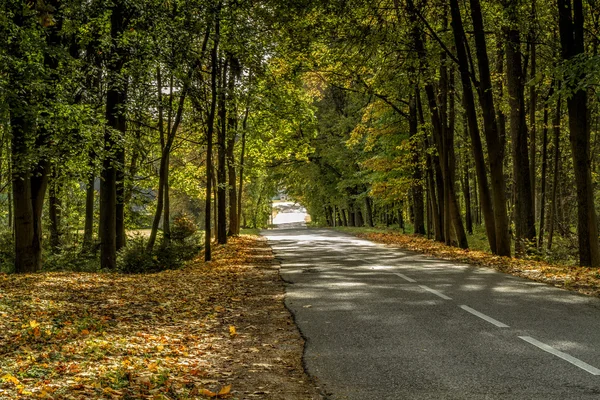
575,361
406,278
439,294
484,317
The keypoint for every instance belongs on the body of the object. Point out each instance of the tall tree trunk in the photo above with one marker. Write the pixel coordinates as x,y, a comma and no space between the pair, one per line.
453,204
544,170
209,139
162,167
466,185
232,130
417,186
242,155
500,116
54,211
115,101
524,217
490,214
351,213
369,211
29,163
120,238
167,207
88,229
467,196
532,104
495,149
556,162
571,28
221,158
436,219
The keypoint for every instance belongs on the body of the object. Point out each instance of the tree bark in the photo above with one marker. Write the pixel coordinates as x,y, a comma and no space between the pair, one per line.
209,140
115,102
221,158
495,147
88,230
532,104
242,155
232,130
524,218
369,211
54,211
544,171
490,214
572,42
556,162
417,186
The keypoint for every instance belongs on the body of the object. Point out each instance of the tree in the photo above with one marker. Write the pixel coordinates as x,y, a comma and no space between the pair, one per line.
571,26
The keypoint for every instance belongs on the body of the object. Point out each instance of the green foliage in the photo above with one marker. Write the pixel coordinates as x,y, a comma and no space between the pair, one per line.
135,259
7,251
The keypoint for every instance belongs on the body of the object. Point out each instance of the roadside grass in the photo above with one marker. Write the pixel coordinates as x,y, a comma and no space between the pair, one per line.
249,231
580,279
194,332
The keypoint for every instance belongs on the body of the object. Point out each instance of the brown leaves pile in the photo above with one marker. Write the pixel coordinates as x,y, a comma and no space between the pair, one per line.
581,279
189,333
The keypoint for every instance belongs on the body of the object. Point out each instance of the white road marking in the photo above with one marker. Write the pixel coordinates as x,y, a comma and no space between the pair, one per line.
484,317
406,278
442,295
575,361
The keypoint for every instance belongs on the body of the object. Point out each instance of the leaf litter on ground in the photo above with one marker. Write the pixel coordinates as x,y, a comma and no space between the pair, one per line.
209,330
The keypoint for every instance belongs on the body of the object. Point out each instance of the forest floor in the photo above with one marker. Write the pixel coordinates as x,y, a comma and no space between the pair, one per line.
209,330
580,279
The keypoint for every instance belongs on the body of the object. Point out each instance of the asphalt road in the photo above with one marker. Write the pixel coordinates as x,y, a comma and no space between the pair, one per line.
382,323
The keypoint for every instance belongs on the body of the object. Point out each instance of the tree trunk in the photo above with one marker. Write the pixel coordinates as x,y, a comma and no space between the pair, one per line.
54,209
120,177
417,185
115,101
571,28
88,230
532,105
221,159
167,206
556,158
351,214
499,218
524,217
209,140
369,211
232,122
544,171
242,155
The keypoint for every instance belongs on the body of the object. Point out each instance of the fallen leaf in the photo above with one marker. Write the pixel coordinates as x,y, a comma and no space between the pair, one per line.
232,331
225,390
10,378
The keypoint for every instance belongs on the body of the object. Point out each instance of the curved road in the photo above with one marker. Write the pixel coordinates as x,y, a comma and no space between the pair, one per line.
382,323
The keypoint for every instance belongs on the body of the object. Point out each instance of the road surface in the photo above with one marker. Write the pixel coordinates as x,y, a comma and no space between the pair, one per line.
382,323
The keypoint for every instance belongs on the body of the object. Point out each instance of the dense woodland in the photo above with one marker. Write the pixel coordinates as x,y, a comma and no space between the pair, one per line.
452,119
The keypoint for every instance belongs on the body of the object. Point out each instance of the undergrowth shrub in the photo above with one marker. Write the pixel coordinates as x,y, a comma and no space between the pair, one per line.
7,251
135,259
183,227
70,258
